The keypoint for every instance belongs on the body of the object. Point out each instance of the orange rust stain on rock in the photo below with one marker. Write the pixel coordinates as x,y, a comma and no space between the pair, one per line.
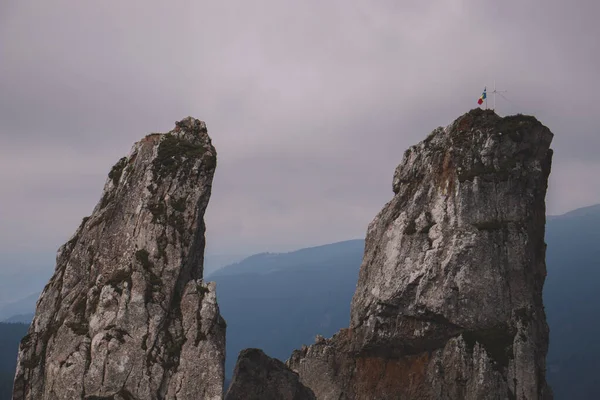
380,378
345,334
153,137
343,340
465,124
446,174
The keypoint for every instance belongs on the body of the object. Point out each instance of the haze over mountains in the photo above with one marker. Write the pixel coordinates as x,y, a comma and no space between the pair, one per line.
21,286
572,303
278,302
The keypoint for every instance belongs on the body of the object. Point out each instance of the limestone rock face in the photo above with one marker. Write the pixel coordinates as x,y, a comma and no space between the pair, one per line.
126,314
448,303
260,377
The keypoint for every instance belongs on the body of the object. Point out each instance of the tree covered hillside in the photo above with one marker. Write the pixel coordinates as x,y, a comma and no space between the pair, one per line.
10,336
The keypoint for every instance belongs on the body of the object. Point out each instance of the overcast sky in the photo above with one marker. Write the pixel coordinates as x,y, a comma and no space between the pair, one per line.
309,103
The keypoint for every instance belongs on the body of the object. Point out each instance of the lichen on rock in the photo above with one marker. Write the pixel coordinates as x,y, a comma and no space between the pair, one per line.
126,314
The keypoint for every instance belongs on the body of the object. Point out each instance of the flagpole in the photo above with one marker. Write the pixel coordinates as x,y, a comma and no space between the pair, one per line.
485,92
484,95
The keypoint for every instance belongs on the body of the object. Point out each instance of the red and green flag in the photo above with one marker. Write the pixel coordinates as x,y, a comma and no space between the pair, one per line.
482,97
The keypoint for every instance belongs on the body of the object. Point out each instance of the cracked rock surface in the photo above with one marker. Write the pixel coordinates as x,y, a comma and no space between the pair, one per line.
448,303
126,314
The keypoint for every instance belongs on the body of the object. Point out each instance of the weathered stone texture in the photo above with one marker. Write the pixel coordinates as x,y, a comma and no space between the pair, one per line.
126,314
260,377
448,303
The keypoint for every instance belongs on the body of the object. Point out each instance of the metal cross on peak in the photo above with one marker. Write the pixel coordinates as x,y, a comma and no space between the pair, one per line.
494,92
483,98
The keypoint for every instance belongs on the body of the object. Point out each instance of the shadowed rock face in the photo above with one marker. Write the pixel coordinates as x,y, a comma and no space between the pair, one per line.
448,303
126,314
260,377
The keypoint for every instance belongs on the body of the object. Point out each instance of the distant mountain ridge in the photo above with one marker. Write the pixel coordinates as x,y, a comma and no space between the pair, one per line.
275,300
19,319
23,306
20,279
273,287
267,262
213,262
593,211
573,279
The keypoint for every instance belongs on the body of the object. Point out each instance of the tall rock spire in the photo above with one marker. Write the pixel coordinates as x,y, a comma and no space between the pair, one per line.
448,303
126,314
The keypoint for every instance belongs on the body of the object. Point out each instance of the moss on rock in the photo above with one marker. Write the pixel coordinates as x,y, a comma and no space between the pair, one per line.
143,258
175,153
117,170
179,204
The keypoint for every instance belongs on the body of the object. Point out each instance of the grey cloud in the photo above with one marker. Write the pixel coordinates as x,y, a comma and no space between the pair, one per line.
310,104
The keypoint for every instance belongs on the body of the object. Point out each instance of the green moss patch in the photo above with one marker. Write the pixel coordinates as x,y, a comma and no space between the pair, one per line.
162,243
116,333
80,328
153,282
179,204
514,123
411,228
106,199
174,219
143,258
203,290
118,279
78,324
158,211
175,153
117,170
177,221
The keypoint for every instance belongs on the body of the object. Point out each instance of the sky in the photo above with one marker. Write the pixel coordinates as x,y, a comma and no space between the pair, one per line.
310,104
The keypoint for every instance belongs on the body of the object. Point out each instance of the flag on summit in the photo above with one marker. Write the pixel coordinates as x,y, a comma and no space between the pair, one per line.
483,96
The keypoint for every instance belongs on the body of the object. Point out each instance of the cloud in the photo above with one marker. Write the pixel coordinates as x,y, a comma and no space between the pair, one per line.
310,104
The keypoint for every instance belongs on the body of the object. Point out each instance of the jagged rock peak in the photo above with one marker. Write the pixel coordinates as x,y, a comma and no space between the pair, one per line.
191,124
448,303
259,377
126,314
